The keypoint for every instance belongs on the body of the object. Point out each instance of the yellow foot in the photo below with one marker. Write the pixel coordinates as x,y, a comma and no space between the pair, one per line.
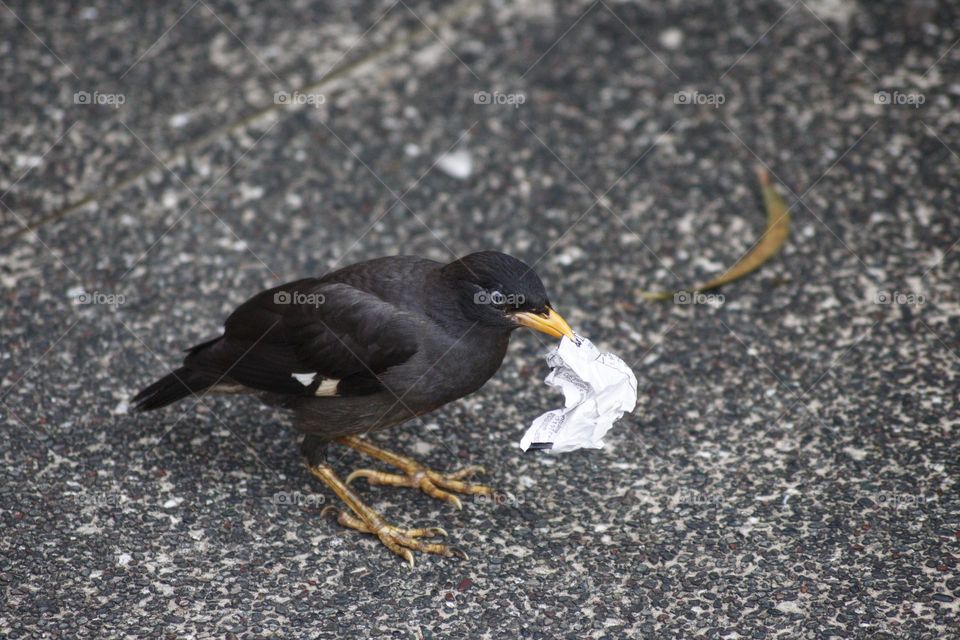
433,483
402,542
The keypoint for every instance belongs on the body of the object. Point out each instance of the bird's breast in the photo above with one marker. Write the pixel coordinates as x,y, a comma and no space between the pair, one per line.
443,373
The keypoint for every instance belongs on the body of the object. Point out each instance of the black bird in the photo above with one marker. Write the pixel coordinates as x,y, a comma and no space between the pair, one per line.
367,347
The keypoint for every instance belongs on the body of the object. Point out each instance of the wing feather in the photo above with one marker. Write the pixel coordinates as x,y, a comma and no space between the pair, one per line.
333,330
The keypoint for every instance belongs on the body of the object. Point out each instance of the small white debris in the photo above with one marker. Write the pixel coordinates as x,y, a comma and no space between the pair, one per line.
411,150
709,266
836,11
671,38
172,503
856,454
568,257
179,120
456,164
248,192
29,162
122,408
789,606
422,448
169,200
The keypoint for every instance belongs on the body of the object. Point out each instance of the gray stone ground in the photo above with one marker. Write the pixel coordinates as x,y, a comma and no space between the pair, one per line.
791,468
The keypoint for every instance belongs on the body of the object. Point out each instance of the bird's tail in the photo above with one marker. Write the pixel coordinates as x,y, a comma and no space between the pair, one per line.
170,388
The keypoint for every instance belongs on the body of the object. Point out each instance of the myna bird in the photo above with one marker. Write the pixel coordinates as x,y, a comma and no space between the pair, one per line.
367,347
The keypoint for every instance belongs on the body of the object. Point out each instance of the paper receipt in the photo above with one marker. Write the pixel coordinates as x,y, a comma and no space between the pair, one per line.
598,388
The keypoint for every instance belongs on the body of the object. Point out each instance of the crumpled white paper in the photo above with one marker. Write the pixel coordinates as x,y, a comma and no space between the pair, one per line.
598,389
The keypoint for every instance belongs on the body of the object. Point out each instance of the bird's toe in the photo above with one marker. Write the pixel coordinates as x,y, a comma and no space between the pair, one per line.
404,541
375,477
451,483
428,487
427,532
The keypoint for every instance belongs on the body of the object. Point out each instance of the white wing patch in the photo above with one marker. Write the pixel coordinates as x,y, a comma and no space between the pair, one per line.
306,379
327,388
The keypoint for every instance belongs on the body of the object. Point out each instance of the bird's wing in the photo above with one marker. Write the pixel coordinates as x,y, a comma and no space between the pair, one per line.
310,338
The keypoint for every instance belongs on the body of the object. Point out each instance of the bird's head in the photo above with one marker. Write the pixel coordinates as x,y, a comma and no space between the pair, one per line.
498,290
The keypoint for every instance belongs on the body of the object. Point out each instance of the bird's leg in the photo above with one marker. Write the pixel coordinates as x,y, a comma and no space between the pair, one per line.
401,541
433,483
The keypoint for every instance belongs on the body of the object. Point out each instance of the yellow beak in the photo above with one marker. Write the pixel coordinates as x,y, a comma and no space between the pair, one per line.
551,324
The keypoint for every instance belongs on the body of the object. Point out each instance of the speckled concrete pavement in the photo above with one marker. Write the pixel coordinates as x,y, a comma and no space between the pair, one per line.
791,468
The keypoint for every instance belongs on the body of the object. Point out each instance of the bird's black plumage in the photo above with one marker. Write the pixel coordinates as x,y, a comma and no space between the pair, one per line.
367,346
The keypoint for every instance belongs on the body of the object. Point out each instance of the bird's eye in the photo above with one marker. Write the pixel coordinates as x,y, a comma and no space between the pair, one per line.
497,298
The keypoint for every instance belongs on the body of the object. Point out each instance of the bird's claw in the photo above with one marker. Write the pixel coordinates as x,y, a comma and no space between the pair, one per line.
403,542
433,483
